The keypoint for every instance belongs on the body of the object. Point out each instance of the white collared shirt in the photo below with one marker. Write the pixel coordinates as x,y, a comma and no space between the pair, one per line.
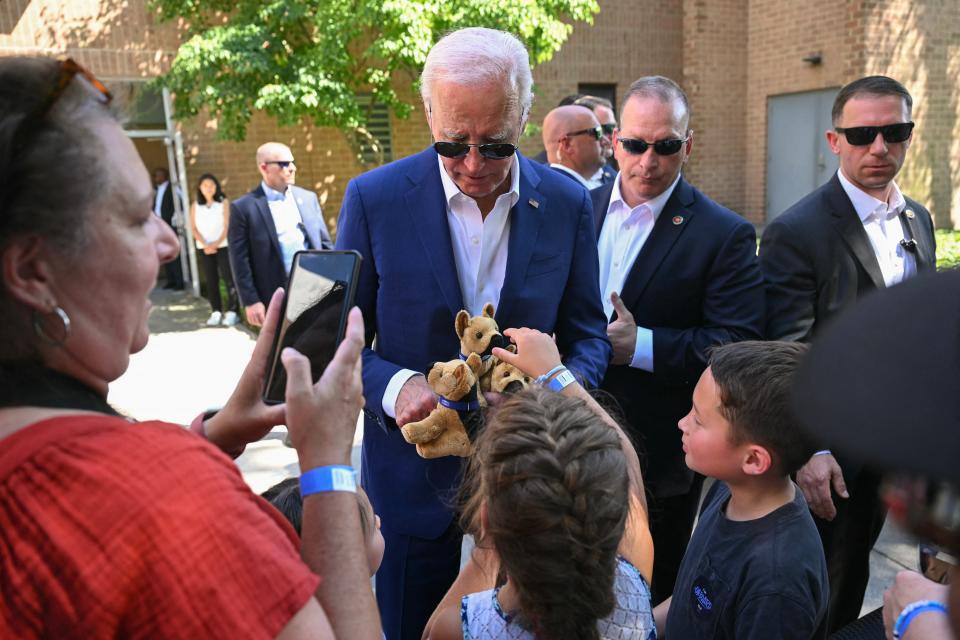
596,180
623,235
479,250
158,198
287,220
882,223
570,172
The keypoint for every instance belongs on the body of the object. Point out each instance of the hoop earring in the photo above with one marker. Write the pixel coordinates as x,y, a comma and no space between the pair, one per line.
42,333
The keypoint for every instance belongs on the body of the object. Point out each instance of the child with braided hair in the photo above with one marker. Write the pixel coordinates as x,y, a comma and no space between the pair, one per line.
554,498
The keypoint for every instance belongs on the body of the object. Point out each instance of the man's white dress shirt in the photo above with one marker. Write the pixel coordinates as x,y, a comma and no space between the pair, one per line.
287,220
479,251
881,221
623,235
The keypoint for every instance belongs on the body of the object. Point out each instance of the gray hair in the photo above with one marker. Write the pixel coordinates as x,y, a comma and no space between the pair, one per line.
663,89
476,56
51,169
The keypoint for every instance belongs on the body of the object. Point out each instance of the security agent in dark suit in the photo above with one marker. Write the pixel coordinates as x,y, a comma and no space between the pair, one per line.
855,234
270,224
163,206
572,135
678,274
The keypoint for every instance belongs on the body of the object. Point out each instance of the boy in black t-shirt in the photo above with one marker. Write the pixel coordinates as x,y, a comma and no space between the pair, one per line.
754,567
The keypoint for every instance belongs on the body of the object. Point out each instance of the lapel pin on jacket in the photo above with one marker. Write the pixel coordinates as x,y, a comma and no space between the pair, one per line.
533,203
677,220
910,214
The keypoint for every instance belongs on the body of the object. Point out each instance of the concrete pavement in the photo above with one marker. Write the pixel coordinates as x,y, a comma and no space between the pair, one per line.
188,367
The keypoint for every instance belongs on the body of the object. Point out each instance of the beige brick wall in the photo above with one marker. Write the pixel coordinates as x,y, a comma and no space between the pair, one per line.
730,56
715,79
923,52
627,40
779,35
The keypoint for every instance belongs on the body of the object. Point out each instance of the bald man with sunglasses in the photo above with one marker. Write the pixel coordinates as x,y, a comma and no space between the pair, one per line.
270,224
678,274
855,234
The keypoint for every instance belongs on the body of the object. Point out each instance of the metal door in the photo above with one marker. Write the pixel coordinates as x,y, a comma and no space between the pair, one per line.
798,157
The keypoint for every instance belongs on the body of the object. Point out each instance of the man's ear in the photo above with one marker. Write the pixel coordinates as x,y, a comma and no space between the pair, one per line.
461,322
757,460
833,139
27,273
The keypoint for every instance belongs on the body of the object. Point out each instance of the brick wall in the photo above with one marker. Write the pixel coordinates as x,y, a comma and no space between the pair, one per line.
730,56
779,35
627,40
923,52
715,79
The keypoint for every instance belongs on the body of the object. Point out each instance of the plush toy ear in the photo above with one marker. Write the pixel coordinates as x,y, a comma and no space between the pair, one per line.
458,373
488,309
463,319
475,363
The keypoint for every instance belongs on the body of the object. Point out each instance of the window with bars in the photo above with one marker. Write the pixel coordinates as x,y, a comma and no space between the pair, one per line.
373,142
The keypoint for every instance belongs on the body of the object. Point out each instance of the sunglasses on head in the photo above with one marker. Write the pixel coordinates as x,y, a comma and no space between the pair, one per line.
489,150
660,147
862,136
594,132
283,164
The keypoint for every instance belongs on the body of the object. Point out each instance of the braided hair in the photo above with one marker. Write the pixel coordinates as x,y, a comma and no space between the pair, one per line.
552,478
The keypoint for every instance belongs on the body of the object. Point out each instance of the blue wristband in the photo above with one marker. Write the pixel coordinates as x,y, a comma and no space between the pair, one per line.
542,380
911,611
336,477
562,381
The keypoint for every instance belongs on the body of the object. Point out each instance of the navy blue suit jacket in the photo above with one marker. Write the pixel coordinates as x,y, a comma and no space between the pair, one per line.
695,283
255,255
395,216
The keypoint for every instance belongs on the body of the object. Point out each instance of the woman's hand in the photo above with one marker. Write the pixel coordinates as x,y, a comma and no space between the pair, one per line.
245,417
536,354
322,417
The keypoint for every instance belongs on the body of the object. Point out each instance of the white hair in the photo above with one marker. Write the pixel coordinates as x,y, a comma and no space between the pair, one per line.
477,55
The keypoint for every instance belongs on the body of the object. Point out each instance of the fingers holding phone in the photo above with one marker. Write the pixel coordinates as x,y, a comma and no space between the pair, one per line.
322,417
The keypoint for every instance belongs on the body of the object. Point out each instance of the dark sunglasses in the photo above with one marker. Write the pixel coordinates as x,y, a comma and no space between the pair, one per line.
595,132
660,147
862,136
69,69
283,164
489,150
608,129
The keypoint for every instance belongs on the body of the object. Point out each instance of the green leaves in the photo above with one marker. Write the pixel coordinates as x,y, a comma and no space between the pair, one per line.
306,60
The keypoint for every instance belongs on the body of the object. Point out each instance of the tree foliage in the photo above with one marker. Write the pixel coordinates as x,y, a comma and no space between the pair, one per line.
307,60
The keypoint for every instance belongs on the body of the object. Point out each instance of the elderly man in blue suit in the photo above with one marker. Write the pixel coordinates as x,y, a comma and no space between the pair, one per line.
465,222
269,225
679,273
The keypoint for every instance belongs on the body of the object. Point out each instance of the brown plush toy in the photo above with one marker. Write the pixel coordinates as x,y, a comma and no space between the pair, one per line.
479,335
449,428
506,378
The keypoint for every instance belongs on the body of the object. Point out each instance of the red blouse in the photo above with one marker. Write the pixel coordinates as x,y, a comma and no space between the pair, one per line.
138,530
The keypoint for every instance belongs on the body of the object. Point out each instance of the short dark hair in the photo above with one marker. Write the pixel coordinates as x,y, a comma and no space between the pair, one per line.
755,379
871,86
285,496
569,99
592,102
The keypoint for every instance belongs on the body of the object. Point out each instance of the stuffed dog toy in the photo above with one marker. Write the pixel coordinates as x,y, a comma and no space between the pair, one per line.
506,378
450,427
479,335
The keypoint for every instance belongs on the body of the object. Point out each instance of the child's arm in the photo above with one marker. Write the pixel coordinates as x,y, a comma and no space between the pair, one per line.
479,574
660,613
536,355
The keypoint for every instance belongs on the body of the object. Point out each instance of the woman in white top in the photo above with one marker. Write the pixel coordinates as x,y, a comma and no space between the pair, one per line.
210,214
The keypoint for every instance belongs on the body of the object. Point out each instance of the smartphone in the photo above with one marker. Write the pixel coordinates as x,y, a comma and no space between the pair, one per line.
313,319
